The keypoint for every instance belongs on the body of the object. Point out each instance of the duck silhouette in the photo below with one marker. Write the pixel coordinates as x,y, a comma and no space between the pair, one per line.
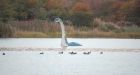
41,53
72,53
87,53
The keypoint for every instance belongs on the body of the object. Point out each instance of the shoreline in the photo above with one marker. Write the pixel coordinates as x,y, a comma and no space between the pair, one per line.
69,49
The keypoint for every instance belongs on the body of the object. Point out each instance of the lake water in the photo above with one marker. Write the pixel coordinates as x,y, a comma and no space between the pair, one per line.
85,42
53,63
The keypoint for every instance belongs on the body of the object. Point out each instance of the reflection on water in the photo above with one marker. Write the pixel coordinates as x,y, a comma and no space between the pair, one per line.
53,63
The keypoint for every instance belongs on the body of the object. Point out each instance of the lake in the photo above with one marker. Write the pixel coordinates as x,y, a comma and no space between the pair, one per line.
85,42
43,62
52,63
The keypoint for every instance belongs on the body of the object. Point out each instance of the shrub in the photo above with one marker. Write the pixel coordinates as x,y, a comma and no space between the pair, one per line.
107,27
81,19
6,30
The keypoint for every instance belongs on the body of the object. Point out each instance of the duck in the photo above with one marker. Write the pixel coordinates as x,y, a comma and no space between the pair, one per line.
87,53
41,53
3,54
72,52
61,52
101,52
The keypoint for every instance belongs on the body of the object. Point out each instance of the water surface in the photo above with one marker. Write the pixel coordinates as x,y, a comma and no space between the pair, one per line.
52,63
85,42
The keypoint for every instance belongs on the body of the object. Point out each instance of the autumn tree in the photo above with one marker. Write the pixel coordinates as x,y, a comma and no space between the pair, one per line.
81,7
54,4
134,14
130,11
81,14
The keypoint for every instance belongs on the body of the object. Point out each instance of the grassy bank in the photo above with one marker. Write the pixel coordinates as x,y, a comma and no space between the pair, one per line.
81,34
45,29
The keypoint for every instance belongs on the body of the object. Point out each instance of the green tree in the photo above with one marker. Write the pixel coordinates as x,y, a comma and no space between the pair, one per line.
6,10
82,19
81,14
25,9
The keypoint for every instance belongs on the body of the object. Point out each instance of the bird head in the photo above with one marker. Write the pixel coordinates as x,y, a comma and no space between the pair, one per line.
57,19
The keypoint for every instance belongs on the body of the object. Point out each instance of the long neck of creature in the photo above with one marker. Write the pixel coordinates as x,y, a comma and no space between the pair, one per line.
62,29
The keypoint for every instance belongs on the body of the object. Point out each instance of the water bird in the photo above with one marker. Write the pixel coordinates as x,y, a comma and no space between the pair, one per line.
61,52
3,54
64,42
41,53
87,53
101,52
72,52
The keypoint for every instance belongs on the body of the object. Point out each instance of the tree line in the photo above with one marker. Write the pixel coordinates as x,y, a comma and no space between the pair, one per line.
76,11
79,13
